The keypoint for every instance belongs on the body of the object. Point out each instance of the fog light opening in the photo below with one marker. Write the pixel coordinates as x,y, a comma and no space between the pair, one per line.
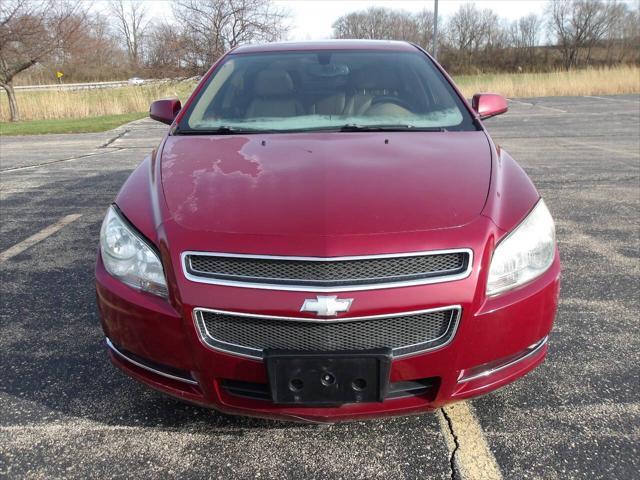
490,368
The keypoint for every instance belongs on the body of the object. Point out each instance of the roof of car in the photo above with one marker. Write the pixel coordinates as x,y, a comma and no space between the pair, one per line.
385,45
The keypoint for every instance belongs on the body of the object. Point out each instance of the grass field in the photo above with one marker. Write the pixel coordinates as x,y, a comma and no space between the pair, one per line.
65,104
106,107
606,81
69,125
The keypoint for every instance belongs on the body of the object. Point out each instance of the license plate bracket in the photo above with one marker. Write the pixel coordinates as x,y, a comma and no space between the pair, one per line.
328,378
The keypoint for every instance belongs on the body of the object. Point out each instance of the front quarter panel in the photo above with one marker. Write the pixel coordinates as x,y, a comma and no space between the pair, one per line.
135,199
141,201
511,194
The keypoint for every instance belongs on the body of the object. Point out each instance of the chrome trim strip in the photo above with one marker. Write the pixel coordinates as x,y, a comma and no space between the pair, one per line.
115,350
341,288
436,273
327,259
536,348
202,329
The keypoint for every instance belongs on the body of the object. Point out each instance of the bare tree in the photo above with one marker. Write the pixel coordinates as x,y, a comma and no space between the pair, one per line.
211,27
166,49
92,52
131,22
524,36
351,26
386,24
469,30
622,31
29,32
578,25
496,31
630,33
525,32
424,23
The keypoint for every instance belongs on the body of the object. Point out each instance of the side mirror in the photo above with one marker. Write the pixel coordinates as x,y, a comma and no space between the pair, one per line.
165,111
489,104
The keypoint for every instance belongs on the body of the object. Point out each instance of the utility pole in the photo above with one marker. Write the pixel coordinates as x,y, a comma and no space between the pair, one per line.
434,48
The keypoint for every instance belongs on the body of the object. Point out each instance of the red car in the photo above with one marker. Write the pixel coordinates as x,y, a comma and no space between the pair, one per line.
327,232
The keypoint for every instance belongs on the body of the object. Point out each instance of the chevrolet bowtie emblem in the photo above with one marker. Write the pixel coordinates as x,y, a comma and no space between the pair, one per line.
325,306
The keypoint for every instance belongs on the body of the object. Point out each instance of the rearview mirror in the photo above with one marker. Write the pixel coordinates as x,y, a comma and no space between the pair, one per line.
489,104
165,111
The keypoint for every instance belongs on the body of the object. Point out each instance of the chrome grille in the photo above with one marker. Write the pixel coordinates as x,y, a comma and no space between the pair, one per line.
338,273
404,333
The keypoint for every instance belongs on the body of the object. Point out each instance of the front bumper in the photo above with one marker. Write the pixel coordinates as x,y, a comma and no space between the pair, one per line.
498,340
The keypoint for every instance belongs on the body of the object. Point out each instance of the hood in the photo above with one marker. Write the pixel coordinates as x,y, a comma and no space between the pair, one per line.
326,184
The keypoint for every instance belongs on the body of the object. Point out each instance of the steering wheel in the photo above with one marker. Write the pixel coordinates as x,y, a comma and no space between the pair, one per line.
390,99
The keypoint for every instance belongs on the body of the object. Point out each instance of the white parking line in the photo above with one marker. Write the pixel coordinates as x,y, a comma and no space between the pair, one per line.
617,151
37,237
521,103
537,105
471,456
625,100
553,109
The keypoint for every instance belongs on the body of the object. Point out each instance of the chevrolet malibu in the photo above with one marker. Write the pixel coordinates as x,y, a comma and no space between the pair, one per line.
327,232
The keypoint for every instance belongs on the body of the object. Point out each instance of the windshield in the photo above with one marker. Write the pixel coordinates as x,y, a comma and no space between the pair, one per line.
326,90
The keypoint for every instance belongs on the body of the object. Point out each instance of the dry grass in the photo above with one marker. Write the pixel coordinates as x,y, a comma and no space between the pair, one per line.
67,104
606,81
116,101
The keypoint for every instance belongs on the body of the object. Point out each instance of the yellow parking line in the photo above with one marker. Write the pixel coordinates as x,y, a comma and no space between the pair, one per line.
37,237
471,456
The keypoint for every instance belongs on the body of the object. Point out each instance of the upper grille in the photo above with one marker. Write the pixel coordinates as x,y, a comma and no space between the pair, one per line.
404,333
310,273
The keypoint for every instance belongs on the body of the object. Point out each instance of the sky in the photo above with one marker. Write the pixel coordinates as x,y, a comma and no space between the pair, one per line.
312,19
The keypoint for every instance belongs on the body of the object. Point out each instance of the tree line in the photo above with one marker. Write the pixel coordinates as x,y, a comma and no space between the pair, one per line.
40,37
570,34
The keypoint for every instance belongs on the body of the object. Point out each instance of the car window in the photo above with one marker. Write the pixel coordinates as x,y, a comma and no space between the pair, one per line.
320,90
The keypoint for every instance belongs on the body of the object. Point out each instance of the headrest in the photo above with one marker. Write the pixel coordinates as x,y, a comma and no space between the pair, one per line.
273,83
375,78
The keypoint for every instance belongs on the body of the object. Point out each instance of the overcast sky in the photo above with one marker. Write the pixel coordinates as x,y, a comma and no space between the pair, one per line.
312,19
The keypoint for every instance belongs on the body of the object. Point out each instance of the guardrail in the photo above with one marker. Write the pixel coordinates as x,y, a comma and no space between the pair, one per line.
89,85
72,86
85,86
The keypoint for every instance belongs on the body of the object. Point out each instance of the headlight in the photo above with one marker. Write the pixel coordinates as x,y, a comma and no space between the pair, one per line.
128,258
525,253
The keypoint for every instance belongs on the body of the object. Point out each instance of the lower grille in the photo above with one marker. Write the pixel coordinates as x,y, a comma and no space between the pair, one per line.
404,334
157,368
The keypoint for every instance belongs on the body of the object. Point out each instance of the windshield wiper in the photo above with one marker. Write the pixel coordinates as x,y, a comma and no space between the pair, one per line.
354,127
221,130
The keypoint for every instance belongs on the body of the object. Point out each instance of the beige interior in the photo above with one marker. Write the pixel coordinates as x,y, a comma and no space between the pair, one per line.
274,96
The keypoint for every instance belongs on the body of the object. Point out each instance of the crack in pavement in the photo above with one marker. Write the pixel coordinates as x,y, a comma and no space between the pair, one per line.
456,445
77,157
97,151
115,137
470,457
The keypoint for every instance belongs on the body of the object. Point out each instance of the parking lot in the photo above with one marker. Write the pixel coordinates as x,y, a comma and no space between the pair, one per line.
66,412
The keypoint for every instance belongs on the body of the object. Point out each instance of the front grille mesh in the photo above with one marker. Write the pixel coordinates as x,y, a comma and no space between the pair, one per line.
251,335
327,273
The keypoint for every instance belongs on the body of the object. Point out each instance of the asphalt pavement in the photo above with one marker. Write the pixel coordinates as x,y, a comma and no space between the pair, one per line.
65,412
